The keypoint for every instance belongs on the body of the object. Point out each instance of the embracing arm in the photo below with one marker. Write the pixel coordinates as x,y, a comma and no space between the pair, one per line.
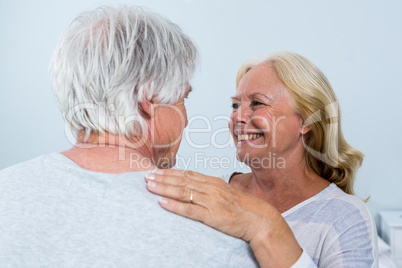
238,214
221,206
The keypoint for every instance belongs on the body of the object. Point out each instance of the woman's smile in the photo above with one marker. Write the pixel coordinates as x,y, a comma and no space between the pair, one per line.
243,136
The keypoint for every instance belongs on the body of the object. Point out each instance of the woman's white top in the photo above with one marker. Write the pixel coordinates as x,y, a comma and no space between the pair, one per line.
334,229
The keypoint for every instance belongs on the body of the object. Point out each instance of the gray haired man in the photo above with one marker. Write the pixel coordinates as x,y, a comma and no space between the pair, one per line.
120,76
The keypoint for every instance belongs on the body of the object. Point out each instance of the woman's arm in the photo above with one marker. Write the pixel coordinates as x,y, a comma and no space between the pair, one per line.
215,203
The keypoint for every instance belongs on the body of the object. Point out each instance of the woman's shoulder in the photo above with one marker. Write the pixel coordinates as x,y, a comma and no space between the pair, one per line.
330,205
229,178
334,221
238,180
337,198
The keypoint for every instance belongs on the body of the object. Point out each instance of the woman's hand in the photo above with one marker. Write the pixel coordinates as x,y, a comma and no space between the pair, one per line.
215,203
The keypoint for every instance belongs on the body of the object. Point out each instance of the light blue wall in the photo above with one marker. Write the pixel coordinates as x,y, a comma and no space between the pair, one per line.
357,44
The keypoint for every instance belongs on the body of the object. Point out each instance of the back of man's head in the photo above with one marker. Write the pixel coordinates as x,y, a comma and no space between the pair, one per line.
110,60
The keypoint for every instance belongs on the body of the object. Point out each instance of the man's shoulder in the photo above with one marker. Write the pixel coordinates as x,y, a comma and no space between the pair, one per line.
32,163
27,169
108,215
19,166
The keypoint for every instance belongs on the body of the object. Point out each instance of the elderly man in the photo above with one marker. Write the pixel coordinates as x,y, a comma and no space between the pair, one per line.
120,76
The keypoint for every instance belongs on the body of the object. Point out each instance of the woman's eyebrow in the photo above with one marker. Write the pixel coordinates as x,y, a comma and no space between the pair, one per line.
269,97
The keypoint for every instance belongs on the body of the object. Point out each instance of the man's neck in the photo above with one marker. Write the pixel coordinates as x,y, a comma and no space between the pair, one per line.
110,154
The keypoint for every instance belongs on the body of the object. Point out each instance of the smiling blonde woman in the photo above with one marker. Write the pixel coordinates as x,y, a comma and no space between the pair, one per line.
302,213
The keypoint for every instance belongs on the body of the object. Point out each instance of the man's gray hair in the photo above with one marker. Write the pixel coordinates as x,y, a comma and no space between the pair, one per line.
112,59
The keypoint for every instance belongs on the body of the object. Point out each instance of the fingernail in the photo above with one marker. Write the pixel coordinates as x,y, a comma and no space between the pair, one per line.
151,184
150,176
163,201
159,171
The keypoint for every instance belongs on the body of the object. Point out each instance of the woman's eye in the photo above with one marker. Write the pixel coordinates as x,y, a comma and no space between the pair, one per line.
235,106
256,103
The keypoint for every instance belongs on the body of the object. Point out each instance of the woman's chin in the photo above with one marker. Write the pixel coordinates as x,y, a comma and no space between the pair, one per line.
247,151
244,156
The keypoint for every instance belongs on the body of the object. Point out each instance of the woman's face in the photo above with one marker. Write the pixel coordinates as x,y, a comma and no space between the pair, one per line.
263,124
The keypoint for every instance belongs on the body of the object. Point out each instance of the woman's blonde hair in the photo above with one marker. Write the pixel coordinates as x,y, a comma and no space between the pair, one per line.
327,152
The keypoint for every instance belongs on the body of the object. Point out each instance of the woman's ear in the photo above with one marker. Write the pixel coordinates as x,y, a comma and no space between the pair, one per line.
304,129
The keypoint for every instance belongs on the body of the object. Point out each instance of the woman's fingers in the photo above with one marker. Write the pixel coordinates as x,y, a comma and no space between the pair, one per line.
188,174
180,179
188,210
180,193
168,179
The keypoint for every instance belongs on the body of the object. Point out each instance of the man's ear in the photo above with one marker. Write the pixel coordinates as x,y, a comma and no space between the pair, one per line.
146,108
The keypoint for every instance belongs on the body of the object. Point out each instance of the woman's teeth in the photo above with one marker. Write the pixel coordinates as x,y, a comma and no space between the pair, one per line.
247,137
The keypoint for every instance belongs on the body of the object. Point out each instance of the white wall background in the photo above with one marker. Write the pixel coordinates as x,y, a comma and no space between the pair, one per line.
357,44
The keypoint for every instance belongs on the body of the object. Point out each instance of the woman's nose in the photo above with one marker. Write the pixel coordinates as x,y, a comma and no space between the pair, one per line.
241,115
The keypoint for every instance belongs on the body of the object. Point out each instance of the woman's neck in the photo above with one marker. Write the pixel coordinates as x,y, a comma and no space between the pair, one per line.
283,187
